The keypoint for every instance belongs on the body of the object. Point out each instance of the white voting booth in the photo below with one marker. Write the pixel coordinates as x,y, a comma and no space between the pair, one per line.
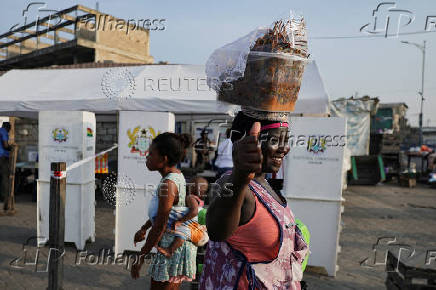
67,136
135,182
313,183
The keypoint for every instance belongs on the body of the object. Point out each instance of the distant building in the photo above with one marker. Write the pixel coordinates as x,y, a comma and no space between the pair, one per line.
73,36
390,118
76,37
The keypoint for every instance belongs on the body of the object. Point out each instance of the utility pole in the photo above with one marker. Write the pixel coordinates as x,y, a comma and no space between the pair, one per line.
421,138
422,49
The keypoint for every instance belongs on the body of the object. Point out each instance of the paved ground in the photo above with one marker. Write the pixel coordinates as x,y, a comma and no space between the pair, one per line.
378,211
370,212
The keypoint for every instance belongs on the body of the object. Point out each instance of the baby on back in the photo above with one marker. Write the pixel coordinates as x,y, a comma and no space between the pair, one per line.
185,224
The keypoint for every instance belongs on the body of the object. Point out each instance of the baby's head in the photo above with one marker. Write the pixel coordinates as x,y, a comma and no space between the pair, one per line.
198,186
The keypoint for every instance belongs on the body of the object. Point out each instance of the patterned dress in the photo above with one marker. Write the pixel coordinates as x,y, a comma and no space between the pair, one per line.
182,265
228,268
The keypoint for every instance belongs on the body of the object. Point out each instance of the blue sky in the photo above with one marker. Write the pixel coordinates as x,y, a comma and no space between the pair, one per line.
381,67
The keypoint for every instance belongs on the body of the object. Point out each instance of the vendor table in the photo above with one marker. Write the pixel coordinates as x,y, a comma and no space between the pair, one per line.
423,158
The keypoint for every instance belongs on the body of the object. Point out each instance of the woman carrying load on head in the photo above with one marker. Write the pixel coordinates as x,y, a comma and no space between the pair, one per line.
254,240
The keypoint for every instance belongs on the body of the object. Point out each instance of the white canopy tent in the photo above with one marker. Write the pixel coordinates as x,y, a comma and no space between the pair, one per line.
180,89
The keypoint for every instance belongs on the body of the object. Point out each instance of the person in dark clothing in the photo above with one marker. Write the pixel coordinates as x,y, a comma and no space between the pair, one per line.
5,147
202,148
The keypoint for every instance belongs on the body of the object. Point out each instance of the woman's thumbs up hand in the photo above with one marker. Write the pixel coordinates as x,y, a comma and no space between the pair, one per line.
247,154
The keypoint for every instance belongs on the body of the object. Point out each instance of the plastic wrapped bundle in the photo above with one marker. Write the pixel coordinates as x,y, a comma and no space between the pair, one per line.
262,70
